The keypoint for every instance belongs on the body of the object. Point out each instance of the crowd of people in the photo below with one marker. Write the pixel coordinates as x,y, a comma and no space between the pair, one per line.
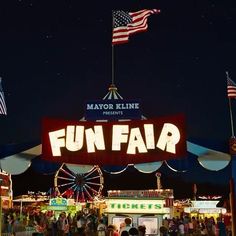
80,224
90,224
192,226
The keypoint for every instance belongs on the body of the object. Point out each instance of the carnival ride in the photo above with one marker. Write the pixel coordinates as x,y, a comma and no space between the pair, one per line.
80,186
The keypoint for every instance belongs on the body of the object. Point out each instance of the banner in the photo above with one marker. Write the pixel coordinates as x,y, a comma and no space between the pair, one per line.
114,143
112,110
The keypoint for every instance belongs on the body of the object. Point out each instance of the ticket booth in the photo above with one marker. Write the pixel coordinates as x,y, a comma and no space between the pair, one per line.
142,210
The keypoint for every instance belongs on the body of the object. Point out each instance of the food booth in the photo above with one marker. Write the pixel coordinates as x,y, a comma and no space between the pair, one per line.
59,204
206,208
5,190
143,207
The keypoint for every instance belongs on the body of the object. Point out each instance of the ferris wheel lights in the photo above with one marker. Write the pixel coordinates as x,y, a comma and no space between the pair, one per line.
80,186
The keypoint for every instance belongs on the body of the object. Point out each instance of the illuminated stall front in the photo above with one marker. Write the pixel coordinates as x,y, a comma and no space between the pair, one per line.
58,205
143,207
5,190
206,208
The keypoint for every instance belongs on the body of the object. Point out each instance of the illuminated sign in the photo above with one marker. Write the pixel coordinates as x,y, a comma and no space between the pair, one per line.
116,143
5,184
219,210
150,193
149,206
204,204
112,110
56,208
58,202
216,210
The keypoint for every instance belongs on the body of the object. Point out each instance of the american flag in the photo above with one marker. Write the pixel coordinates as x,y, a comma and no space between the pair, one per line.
3,108
231,87
127,23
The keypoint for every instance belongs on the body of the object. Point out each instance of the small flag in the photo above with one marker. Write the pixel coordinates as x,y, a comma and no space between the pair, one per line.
231,87
232,146
3,108
127,23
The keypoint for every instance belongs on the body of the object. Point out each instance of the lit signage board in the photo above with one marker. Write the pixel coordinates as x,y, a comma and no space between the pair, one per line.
142,206
114,143
112,109
205,204
216,210
150,193
219,210
57,208
58,202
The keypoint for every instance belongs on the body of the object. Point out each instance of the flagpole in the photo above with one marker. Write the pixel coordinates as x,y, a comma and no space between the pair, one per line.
112,56
231,119
230,112
113,66
233,167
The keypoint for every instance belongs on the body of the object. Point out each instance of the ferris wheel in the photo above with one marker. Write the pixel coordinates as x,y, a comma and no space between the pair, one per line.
80,186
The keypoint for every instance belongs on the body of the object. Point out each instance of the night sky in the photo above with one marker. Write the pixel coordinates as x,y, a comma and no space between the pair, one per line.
56,55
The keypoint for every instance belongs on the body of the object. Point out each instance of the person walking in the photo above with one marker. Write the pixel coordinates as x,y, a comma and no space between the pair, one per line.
10,222
181,228
141,230
80,223
126,226
133,231
221,227
112,231
101,228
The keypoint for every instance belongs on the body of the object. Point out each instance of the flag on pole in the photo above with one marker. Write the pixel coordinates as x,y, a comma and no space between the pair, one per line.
231,87
127,23
3,108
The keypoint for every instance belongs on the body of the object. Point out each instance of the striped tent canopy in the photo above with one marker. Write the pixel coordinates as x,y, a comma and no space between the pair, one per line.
16,159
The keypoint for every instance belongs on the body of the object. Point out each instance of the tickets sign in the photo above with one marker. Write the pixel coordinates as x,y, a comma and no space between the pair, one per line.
114,143
136,206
